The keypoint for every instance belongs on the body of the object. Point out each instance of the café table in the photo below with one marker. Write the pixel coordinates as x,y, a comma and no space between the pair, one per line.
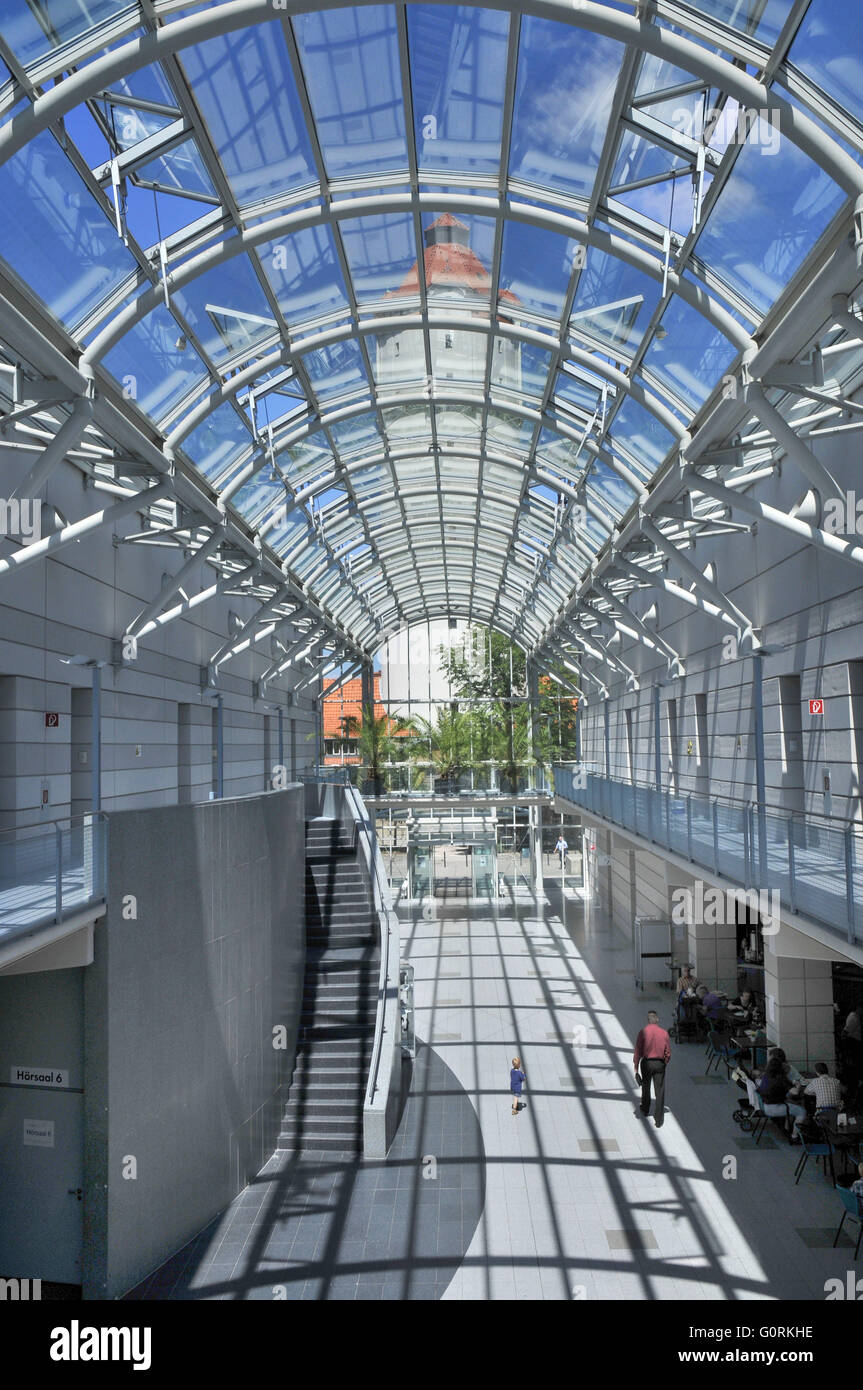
842,1137
753,1045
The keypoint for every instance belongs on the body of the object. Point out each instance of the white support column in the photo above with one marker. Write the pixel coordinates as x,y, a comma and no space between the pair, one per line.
800,1006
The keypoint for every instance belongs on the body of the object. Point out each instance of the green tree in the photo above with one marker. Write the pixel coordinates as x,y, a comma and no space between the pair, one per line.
487,666
445,741
381,739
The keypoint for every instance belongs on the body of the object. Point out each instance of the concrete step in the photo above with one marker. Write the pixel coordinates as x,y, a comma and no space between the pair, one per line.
341,1072
346,1019
335,905
338,940
327,890
322,1126
364,1002
330,996
329,1107
348,1034
322,1090
334,1056
345,1143
354,923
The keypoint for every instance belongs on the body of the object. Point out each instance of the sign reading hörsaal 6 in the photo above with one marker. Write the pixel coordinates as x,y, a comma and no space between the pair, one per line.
39,1076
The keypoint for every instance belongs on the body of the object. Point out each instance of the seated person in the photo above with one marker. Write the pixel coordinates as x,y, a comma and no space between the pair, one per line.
775,1088
825,1088
687,982
852,1181
745,1003
713,1004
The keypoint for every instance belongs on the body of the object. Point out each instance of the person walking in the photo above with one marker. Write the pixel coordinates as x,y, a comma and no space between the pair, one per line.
560,849
650,1059
516,1082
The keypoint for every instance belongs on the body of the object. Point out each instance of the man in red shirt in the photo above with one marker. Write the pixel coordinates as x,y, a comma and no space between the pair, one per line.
652,1055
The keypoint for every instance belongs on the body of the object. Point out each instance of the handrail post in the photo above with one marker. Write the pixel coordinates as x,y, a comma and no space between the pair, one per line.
667,796
792,882
689,828
746,874
715,836
58,887
849,880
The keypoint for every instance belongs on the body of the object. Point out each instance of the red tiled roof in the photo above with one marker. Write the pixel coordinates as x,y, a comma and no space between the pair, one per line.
347,703
450,263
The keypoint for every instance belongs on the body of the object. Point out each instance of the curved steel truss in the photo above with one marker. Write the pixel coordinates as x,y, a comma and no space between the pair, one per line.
392,311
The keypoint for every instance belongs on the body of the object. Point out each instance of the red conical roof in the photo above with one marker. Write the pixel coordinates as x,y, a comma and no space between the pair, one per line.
450,262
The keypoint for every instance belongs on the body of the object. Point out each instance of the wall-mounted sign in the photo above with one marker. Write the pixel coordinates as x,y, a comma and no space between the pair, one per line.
52,719
39,1076
816,706
39,1134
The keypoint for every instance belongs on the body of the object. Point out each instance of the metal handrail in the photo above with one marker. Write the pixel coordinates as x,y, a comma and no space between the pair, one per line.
800,816
50,827
832,897
383,906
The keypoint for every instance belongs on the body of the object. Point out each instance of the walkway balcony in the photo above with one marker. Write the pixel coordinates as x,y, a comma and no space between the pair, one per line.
814,863
50,874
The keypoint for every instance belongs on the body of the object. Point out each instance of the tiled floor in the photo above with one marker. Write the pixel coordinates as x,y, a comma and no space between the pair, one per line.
576,1197
329,1227
584,1199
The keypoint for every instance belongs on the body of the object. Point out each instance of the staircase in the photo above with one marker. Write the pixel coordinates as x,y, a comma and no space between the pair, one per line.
324,1110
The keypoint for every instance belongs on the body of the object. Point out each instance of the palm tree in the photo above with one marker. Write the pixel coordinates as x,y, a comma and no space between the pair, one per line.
381,739
446,741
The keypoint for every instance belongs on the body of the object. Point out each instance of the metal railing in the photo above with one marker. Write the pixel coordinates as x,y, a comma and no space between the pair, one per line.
814,863
338,776
48,872
385,1043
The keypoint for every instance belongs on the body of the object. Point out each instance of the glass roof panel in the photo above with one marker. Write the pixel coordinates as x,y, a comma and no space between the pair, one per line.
336,370
180,170
536,266
54,234
612,490
149,366
351,62
692,356
764,21
63,20
642,435
245,89
458,67
227,309
218,442
776,204
380,251
304,274
260,495
829,50
564,90
646,180
614,302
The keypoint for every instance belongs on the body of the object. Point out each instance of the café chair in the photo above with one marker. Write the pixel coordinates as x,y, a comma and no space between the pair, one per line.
687,1021
724,1050
817,1149
854,1208
764,1111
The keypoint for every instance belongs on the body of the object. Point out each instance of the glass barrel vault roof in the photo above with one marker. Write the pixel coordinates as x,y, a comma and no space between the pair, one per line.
425,294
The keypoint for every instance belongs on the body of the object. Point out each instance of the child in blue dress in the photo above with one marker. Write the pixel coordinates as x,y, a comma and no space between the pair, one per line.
516,1081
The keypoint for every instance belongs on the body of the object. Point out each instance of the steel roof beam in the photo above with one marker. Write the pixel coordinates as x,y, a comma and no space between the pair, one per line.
176,582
